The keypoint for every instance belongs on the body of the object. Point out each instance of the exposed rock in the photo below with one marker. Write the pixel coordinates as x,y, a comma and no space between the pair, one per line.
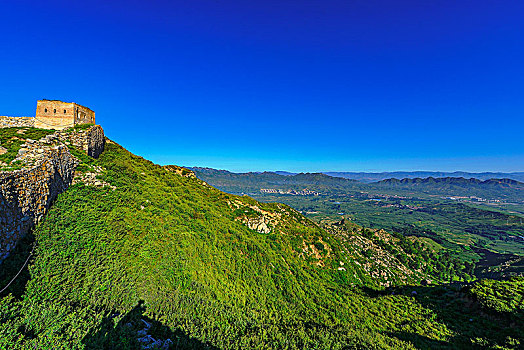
16,122
91,178
258,225
180,171
263,223
149,342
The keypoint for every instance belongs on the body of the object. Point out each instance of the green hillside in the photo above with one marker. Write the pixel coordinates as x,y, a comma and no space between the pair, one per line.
210,270
444,210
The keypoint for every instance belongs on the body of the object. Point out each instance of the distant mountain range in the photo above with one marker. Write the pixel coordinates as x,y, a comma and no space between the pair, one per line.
373,177
454,181
254,181
458,186
492,188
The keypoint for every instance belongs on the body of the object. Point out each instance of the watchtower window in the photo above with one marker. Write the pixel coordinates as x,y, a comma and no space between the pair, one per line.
55,110
45,109
64,111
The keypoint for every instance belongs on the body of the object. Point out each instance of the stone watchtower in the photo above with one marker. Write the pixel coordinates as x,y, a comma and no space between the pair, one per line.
53,114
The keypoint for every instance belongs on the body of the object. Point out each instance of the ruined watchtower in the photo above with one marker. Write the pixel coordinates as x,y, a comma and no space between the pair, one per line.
54,114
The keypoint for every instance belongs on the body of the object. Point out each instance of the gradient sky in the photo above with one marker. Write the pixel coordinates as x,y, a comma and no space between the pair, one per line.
281,85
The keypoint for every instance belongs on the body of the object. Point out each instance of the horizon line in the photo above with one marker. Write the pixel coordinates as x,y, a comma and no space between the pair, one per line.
362,172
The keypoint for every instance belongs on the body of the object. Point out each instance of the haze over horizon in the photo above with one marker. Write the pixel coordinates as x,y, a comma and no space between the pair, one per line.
298,86
363,172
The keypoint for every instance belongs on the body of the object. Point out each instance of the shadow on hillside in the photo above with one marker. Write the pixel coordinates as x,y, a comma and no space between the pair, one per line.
137,331
13,263
462,315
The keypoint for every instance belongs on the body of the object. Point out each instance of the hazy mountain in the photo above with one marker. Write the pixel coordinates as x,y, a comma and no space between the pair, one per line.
507,189
253,181
373,177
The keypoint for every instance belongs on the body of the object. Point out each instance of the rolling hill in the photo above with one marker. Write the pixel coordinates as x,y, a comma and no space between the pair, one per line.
161,259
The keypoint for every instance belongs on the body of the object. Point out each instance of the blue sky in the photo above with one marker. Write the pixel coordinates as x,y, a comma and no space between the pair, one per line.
281,85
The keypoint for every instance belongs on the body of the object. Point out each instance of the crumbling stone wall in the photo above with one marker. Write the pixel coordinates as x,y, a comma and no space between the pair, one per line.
92,140
16,122
83,115
27,194
95,141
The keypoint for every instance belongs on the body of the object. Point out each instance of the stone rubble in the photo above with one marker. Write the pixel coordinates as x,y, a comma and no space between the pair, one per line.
16,122
148,342
90,178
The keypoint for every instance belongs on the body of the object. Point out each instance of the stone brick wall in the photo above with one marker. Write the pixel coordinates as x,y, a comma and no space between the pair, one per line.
54,115
84,115
61,115
18,122
27,194
95,141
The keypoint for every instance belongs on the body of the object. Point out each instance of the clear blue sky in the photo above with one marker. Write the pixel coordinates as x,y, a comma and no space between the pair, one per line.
281,85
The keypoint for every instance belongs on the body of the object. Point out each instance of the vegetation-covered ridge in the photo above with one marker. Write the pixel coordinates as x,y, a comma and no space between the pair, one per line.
212,270
476,221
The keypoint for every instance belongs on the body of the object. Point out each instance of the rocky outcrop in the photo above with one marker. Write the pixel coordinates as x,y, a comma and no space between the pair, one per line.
255,218
257,224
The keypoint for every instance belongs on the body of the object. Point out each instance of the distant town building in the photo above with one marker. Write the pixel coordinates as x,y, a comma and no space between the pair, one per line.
304,192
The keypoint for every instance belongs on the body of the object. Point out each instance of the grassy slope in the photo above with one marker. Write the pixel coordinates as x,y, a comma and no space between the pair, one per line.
174,244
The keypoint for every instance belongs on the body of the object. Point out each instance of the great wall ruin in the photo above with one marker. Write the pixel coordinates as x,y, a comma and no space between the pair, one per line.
46,168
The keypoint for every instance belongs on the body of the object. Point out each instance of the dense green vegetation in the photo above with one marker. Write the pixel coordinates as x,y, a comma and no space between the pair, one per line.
469,230
450,224
501,296
169,249
416,255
